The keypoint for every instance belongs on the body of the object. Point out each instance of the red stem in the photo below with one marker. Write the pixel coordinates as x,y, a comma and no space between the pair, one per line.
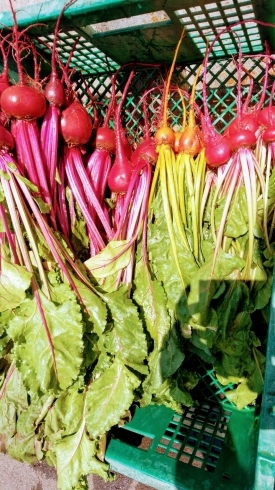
17,50
55,37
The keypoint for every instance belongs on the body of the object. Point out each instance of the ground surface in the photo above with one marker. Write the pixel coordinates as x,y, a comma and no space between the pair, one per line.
20,476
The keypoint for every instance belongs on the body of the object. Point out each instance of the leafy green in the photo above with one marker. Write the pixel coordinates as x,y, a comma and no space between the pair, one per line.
44,208
152,301
58,343
94,309
75,358
14,282
127,339
13,401
114,257
108,398
71,465
26,445
80,239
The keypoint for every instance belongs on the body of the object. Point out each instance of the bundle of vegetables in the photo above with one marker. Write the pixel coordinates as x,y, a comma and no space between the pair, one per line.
71,362
115,274
211,217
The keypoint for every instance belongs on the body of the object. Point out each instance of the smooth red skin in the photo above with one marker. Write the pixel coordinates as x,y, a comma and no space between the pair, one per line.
105,139
145,151
54,92
190,141
6,139
242,139
119,177
165,136
217,154
248,121
23,102
266,117
76,124
269,134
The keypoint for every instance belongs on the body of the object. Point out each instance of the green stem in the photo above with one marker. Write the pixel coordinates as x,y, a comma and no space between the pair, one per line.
154,182
199,187
167,212
257,364
169,160
24,216
260,155
206,194
181,183
224,217
272,226
175,171
191,192
215,198
16,226
265,195
247,184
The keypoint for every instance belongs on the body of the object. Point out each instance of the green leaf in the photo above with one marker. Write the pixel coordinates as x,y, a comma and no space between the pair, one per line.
179,395
151,298
236,343
237,216
114,257
162,259
170,395
171,356
95,311
262,297
79,237
4,175
155,378
162,364
13,400
26,445
237,219
14,281
44,208
66,415
227,263
243,395
127,338
27,182
58,346
235,299
203,288
109,397
75,456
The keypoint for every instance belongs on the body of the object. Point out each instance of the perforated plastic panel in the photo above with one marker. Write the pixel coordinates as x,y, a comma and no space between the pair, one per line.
221,88
196,437
148,31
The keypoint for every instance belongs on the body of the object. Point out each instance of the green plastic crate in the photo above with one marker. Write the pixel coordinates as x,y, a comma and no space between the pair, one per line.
212,445
209,446
148,30
205,448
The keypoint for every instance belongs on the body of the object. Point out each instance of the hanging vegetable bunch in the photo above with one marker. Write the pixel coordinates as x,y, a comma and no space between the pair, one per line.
120,266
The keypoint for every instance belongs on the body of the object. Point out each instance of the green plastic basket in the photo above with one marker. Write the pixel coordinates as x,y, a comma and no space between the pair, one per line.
211,445
208,446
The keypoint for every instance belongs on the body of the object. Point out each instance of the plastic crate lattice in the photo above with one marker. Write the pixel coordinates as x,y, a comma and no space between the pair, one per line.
196,437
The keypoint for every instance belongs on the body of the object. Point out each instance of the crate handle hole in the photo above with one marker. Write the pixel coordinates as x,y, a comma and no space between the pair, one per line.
226,476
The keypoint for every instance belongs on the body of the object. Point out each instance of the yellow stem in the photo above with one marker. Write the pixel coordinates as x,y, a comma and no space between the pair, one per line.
165,105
